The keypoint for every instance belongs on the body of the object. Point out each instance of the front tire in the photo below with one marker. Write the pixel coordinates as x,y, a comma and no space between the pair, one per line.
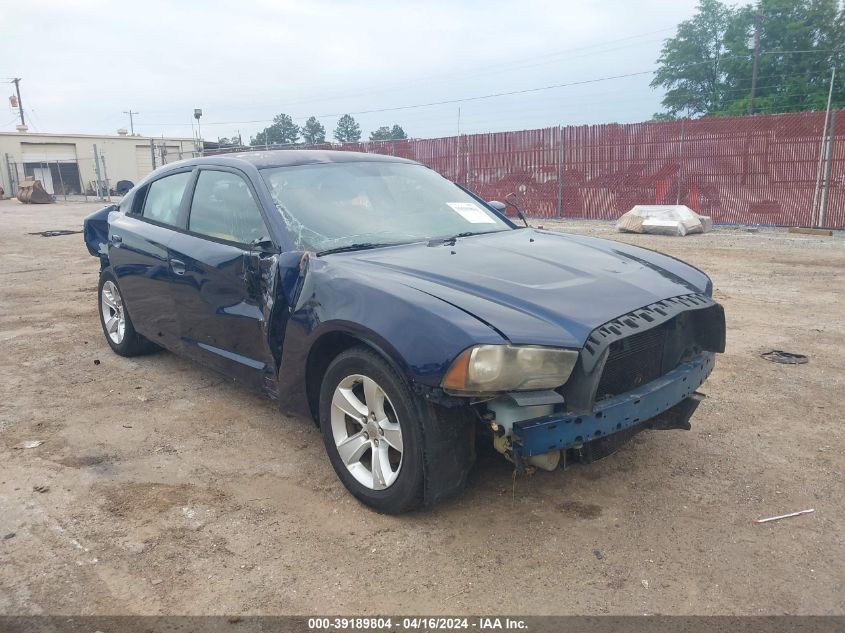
114,318
372,429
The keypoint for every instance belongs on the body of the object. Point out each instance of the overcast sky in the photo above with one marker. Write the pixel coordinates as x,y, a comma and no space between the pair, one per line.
84,62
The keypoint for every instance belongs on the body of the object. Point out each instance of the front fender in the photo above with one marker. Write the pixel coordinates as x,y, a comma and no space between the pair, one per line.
417,332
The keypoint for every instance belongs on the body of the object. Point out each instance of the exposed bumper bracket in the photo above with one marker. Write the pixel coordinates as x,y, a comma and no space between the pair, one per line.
665,403
677,417
534,398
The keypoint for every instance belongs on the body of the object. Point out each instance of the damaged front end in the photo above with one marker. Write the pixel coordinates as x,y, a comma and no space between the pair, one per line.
639,371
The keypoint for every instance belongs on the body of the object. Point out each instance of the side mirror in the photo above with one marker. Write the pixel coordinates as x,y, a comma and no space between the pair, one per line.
263,245
499,206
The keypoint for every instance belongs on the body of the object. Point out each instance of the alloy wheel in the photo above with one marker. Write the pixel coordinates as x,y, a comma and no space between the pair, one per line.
366,432
113,314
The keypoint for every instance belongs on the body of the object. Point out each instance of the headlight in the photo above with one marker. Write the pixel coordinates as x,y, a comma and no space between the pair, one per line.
491,368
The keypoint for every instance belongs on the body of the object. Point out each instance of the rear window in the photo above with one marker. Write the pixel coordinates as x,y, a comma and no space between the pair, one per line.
164,197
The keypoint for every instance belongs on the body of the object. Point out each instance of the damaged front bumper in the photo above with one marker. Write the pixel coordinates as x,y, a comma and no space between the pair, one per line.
666,402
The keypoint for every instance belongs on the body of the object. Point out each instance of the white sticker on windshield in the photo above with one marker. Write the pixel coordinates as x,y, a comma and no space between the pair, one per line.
471,212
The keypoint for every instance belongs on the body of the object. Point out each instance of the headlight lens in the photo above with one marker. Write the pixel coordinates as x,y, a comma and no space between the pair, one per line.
492,368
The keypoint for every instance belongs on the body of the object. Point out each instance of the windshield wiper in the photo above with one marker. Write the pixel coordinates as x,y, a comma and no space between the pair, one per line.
451,240
360,246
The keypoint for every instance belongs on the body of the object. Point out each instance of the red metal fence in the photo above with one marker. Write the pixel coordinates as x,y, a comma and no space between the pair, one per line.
744,170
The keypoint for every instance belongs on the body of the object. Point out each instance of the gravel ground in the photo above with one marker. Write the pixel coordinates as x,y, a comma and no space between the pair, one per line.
162,489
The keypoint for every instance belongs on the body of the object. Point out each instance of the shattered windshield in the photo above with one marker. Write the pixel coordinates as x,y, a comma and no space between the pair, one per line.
337,205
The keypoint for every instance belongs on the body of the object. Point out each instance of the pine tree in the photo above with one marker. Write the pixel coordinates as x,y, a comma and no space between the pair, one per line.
347,130
381,134
313,132
386,133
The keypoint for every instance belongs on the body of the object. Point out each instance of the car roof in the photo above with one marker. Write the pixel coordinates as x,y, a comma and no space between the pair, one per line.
290,157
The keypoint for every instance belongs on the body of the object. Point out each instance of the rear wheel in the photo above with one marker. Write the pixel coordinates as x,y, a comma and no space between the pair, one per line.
114,317
372,430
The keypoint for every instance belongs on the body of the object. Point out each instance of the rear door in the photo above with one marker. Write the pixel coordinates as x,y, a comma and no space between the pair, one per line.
215,292
138,255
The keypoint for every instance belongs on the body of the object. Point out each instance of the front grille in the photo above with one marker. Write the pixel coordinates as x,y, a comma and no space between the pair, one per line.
633,361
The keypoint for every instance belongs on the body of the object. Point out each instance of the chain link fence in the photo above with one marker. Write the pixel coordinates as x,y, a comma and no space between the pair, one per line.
62,175
785,169
95,171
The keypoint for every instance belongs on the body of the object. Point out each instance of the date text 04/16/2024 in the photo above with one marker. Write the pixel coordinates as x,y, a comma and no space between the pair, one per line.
418,623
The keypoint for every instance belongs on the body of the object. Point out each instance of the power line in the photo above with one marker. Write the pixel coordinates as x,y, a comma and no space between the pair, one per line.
439,77
493,95
514,64
509,66
36,125
436,103
507,93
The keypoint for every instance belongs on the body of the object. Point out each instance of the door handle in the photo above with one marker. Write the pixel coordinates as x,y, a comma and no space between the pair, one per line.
177,266
117,239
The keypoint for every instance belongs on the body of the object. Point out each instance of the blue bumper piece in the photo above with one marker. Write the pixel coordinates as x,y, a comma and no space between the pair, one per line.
96,231
563,430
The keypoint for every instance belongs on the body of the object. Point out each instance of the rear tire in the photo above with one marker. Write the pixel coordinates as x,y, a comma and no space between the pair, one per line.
370,416
114,318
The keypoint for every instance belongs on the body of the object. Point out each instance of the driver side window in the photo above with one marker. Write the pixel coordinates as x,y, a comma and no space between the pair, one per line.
223,207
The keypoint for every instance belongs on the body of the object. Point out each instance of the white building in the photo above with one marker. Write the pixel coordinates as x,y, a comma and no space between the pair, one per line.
64,163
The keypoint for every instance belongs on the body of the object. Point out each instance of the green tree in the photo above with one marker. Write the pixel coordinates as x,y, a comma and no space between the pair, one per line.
387,133
663,116
381,134
313,132
797,51
283,131
226,141
691,62
347,130
707,67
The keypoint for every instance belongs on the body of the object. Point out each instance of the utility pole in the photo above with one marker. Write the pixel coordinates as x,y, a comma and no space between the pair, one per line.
823,203
680,164
105,176
197,115
99,193
758,18
17,81
822,149
131,121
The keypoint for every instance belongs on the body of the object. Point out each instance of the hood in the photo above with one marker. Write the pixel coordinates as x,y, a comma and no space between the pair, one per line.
534,286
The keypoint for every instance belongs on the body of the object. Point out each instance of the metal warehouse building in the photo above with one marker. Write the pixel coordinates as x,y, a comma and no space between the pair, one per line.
67,165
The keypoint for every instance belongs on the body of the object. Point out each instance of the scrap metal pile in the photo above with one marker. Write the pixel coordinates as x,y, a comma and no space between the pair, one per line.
33,192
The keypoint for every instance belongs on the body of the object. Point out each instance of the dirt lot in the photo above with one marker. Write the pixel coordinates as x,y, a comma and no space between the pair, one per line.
170,491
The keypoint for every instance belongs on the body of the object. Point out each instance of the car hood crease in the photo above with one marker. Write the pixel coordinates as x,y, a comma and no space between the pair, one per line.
535,286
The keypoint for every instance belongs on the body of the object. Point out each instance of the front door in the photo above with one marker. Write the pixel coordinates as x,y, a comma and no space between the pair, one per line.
221,319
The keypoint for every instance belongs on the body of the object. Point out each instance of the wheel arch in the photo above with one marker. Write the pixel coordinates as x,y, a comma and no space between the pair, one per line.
327,347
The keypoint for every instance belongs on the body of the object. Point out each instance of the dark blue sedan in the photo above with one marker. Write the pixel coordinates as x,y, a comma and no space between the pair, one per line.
404,313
